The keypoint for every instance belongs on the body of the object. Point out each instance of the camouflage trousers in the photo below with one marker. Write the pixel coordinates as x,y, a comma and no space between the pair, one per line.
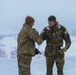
59,64
24,62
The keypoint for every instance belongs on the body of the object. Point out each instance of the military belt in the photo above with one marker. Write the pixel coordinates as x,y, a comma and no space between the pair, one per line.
54,45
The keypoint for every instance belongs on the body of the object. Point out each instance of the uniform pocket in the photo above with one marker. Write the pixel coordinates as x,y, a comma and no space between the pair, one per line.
60,54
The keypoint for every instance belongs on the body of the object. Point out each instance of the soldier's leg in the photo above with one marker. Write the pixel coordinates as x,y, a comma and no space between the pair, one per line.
24,63
49,65
60,65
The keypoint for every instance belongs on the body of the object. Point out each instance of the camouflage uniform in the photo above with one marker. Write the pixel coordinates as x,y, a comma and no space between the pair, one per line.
54,37
26,48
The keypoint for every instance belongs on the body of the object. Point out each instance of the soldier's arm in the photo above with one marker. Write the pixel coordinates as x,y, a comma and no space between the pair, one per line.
67,39
43,34
34,35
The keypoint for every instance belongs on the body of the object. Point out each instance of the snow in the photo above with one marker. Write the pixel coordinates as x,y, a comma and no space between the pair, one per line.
9,66
9,45
38,66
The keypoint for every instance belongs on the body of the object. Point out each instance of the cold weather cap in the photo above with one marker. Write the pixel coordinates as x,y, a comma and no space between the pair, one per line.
29,20
52,18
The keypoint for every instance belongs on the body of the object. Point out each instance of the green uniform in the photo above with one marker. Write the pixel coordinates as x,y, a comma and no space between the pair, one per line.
26,48
54,37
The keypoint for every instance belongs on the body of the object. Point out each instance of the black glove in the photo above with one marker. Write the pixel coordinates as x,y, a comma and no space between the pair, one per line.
37,51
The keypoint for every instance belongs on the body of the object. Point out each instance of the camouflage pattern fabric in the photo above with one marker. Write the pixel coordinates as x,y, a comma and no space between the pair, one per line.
24,62
59,63
54,37
26,40
26,48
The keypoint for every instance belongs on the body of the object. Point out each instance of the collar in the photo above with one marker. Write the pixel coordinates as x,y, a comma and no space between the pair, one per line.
27,25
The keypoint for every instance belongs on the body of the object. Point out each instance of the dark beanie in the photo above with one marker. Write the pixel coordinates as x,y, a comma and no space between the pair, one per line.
52,18
29,20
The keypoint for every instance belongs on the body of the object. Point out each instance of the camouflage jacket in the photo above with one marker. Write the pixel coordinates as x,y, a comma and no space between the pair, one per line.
54,36
26,40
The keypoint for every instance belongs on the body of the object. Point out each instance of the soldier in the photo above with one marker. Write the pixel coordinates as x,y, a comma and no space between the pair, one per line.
54,34
26,45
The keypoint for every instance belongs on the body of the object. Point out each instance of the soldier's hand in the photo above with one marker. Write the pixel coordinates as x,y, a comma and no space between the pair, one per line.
62,50
37,51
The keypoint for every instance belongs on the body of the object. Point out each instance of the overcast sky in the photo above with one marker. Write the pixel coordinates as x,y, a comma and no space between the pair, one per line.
13,13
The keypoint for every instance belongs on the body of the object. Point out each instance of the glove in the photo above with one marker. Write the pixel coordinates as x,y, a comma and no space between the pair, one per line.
62,50
37,51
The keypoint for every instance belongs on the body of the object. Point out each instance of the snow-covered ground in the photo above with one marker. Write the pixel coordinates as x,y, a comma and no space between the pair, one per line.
8,66
38,66
9,45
